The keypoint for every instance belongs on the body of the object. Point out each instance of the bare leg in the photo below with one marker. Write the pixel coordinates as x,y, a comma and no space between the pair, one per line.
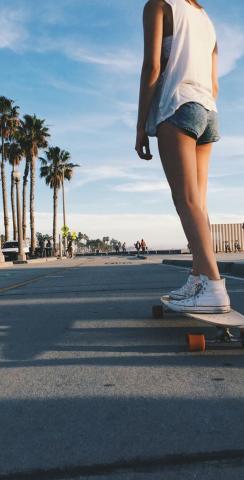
178,156
203,153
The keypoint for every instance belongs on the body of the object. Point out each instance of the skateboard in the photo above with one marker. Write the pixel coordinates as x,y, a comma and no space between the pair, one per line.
222,321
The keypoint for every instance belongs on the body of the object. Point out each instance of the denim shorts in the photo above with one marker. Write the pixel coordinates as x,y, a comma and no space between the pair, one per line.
197,122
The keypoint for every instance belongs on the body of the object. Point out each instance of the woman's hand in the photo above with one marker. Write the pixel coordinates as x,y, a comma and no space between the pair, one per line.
142,142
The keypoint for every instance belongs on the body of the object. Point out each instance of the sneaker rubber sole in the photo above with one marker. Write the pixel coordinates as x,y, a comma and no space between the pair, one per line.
199,309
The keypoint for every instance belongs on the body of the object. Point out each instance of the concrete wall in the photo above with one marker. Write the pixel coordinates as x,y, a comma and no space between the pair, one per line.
227,232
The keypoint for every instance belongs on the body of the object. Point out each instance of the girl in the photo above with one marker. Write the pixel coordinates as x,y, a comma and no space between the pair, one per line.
179,86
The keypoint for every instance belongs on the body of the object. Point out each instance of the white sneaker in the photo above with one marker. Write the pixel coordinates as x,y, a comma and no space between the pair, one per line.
188,289
211,297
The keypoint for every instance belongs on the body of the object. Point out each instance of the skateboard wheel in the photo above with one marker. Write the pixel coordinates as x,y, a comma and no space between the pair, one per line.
157,311
196,343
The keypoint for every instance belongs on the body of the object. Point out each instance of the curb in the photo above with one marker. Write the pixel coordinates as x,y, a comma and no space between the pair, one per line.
42,260
224,267
34,260
6,264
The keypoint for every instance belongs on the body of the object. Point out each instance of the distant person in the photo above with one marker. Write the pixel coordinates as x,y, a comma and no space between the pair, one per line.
138,246
177,105
143,246
42,248
124,247
117,247
45,247
70,249
237,246
227,247
49,248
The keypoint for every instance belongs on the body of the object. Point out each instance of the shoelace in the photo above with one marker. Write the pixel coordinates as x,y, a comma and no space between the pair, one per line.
200,289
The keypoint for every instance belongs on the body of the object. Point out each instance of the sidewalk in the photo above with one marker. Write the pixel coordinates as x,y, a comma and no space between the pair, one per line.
230,263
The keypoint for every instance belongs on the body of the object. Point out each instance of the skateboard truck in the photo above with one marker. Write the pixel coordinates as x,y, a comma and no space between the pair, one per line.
223,336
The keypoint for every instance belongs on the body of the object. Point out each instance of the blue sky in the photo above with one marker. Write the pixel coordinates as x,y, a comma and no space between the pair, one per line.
76,63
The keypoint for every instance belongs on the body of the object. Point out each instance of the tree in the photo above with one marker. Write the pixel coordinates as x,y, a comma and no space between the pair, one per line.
15,155
34,135
55,168
8,121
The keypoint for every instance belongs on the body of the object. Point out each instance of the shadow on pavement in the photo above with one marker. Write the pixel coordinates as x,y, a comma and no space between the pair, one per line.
105,434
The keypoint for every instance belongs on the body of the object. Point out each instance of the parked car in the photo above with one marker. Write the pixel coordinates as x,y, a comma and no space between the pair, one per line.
10,250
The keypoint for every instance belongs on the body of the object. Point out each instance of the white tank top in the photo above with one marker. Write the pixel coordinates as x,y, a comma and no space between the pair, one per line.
188,73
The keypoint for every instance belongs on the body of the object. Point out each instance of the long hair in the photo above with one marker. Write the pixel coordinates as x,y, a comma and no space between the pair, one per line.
196,2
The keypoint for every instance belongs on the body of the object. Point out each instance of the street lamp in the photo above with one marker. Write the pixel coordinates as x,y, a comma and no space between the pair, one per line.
21,254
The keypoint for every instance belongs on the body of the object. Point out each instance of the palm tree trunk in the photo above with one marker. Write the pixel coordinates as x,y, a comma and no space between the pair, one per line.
32,202
24,193
64,211
13,207
21,254
64,215
55,207
4,193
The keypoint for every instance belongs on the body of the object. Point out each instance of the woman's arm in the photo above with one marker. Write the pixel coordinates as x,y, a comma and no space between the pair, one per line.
153,35
215,82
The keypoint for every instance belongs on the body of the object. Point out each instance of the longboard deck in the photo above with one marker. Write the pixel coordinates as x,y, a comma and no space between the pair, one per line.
231,319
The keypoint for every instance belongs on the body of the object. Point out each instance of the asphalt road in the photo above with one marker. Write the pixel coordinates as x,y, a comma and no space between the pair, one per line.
92,387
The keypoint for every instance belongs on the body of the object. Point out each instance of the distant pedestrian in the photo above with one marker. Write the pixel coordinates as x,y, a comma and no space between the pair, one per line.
124,247
41,248
237,246
48,248
117,247
227,247
45,247
70,249
143,246
138,246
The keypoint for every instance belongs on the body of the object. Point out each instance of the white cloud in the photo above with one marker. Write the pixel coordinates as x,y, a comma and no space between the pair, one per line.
69,87
231,47
226,218
89,122
139,181
83,123
128,113
142,187
229,146
105,172
120,60
13,33
115,59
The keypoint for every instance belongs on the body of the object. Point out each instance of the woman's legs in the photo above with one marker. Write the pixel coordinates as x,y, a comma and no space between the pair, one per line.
179,159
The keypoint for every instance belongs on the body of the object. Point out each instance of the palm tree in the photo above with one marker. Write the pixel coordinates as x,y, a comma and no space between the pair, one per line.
34,135
56,168
15,155
8,123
